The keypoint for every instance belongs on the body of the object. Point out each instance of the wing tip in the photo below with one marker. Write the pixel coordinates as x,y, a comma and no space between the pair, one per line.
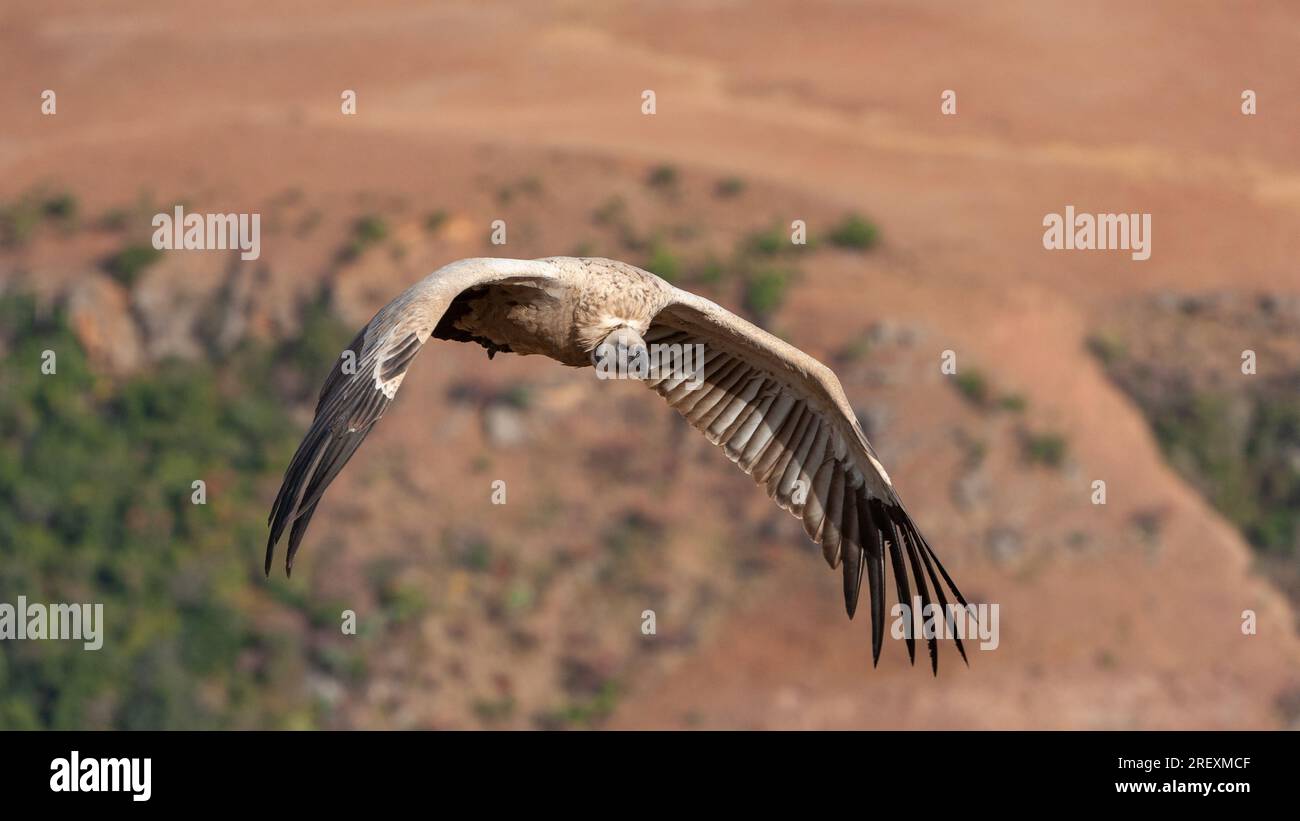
896,534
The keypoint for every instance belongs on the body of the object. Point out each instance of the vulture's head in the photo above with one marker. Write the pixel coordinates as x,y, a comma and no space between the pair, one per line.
623,347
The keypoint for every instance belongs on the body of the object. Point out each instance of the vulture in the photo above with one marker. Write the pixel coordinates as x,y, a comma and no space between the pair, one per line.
775,411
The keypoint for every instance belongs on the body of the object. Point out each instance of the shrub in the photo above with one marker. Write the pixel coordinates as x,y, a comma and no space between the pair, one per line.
611,212
1014,402
765,291
662,177
127,265
854,232
61,207
366,231
767,243
1108,348
972,385
663,262
1047,449
708,272
435,220
18,222
728,187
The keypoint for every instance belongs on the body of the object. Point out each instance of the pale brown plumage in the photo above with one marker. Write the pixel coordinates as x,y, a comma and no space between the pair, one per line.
776,412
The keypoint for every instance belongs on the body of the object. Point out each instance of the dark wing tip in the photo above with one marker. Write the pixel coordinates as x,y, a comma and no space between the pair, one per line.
852,578
874,559
349,406
900,577
886,526
907,535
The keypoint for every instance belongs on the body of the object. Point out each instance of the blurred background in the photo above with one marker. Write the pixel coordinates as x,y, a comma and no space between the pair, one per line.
925,236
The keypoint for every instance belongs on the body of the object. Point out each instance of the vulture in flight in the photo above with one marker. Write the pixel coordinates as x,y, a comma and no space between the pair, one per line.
776,412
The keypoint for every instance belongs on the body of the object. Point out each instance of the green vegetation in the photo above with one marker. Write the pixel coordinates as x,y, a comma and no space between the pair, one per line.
974,386
115,219
1107,348
401,602
856,349
493,711
583,713
518,396
1044,448
765,291
613,214
772,242
976,450
1238,444
768,243
663,262
310,221
855,233
612,211
369,230
127,265
20,219
434,220
729,187
1014,402
61,207
473,554
531,186
1242,454
708,272
18,222
96,485
662,177
528,186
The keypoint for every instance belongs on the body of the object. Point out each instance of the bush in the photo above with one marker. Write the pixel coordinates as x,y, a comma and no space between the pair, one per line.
767,243
663,262
1107,348
855,349
612,211
18,222
1047,449
708,272
434,221
61,207
1014,402
854,232
127,265
366,231
765,291
662,177
972,385
728,187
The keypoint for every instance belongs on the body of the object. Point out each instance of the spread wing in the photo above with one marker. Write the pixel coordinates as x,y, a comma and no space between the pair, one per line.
364,381
783,418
